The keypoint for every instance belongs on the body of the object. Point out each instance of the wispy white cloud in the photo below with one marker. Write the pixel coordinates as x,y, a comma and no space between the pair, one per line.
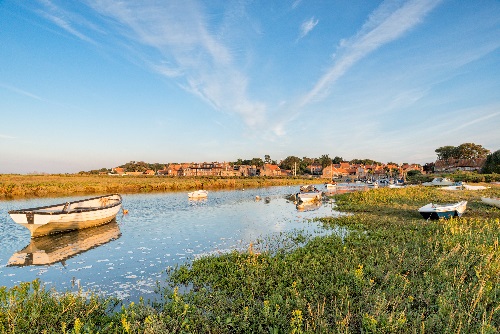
21,92
196,56
476,120
306,27
387,23
6,137
296,3
63,19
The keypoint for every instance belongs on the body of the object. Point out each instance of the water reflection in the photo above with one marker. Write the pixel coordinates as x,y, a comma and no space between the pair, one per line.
55,248
308,206
160,231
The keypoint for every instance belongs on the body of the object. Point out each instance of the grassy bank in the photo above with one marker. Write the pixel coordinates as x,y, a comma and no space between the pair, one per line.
16,186
393,273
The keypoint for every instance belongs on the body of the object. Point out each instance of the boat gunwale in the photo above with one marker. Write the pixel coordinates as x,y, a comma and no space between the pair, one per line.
432,207
37,211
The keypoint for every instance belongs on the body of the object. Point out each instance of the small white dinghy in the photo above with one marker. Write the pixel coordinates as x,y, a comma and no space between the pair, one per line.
68,216
436,211
439,181
309,194
198,194
493,201
468,187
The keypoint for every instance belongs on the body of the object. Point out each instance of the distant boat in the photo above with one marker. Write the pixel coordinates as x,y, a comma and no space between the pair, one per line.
462,186
494,201
439,181
309,194
68,216
396,186
331,186
59,247
454,186
468,187
198,194
436,211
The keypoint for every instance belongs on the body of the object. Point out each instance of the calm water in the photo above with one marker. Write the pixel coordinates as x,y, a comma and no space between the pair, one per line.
128,258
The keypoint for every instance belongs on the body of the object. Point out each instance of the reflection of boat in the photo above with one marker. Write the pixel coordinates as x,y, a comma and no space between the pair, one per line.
494,201
309,194
436,211
59,247
68,216
439,181
198,194
311,206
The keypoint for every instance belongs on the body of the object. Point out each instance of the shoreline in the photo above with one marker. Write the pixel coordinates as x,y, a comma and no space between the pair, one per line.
14,187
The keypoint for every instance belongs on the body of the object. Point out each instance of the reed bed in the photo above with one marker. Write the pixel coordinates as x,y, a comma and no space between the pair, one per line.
392,273
18,186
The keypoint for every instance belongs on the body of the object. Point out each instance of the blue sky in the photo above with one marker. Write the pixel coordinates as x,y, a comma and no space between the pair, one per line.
97,83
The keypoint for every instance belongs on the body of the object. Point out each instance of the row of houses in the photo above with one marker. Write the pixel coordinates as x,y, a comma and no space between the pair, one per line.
341,170
360,171
453,165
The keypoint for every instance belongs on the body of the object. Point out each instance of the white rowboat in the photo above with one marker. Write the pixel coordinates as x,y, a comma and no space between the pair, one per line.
68,216
436,211
198,194
494,201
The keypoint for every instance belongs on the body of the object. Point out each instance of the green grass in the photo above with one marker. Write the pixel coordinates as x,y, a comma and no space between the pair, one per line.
394,272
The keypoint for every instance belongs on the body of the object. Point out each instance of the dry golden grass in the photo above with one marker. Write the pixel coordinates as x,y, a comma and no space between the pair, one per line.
17,186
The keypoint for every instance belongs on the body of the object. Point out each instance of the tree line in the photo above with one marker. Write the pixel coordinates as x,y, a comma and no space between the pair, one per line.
300,165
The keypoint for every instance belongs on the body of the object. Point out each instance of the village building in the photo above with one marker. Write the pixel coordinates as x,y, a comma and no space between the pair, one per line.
453,165
270,170
334,171
315,168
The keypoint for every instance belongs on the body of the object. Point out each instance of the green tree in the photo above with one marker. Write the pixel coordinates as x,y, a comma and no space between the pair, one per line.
290,162
337,160
257,162
471,151
446,152
463,151
267,159
325,160
492,164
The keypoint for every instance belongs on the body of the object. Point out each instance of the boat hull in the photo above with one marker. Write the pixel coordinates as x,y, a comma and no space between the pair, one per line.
68,216
310,197
198,194
433,211
491,201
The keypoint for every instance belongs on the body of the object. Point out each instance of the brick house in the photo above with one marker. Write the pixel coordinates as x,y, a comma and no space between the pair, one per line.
270,170
453,165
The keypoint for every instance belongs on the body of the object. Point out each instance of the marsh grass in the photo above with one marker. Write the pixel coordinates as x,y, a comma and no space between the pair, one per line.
16,186
394,272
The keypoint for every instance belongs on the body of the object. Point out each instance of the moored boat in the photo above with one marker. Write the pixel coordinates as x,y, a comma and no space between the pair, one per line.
439,181
469,187
331,186
494,201
436,211
68,216
309,194
198,194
